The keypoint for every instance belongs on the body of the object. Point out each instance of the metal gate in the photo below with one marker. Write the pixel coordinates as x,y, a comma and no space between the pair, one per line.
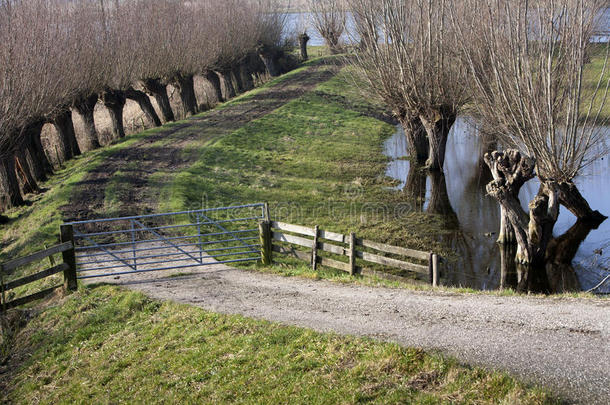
178,240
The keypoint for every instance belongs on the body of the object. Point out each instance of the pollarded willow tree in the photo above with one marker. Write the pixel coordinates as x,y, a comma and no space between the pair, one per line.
328,17
410,62
527,61
76,53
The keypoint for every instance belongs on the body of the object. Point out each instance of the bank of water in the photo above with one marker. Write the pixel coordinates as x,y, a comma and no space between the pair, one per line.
473,217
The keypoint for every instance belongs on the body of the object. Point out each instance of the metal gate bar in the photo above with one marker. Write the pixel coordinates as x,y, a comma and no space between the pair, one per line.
164,239
77,235
165,268
165,247
128,249
158,235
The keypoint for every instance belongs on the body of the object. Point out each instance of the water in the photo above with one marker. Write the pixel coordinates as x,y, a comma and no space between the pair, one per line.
297,23
460,198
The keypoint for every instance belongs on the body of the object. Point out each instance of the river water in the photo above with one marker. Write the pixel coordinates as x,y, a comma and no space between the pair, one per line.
474,217
297,23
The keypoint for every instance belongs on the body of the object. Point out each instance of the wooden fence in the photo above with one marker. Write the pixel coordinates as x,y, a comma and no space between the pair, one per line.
68,267
349,246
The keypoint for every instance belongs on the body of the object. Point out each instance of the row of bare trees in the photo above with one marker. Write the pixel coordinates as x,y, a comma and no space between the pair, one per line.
517,67
63,56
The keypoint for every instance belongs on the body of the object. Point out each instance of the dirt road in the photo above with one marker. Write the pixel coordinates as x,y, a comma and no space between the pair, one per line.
563,344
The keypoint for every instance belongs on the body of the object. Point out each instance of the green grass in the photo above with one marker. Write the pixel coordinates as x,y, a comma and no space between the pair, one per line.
317,160
107,345
591,78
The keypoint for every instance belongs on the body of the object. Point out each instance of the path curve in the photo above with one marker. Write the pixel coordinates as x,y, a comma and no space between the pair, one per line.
563,344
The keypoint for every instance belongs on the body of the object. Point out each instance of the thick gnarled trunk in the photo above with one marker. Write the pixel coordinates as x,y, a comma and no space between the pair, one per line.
65,129
533,232
437,126
115,100
145,105
303,39
570,197
269,60
186,89
415,186
34,151
24,174
512,170
158,91
10,195
239,84
417,140
228,91
246,77
214,81
85,108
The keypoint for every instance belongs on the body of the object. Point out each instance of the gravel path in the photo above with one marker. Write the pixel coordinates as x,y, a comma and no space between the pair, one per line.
563,344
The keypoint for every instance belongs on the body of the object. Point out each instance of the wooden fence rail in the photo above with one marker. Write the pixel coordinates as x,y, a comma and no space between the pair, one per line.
68,267
316,240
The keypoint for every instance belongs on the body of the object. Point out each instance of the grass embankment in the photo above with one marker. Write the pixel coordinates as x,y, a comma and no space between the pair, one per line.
319,159
591,80
107,345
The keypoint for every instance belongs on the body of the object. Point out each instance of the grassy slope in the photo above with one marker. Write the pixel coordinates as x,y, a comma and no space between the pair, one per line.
107,345
590,82
300,155
317,161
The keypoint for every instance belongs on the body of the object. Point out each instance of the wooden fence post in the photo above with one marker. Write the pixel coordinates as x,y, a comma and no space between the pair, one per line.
266,213
352,253
434,269
314,250
69,257
3,296
264,229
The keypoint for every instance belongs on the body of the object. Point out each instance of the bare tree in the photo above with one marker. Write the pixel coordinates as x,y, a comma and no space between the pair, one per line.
75,53
328,18
409,61
527,62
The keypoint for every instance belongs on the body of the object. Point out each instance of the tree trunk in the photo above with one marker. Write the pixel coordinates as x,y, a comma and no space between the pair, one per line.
570,197
145,105
214,81
437,126
24,174
155,88
38,161
532,279
115,100
10,195
85,109
246,77
417,141
239,84
268,59
228,91
303,39
514,171
560,253
186,90
65,129
533,232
